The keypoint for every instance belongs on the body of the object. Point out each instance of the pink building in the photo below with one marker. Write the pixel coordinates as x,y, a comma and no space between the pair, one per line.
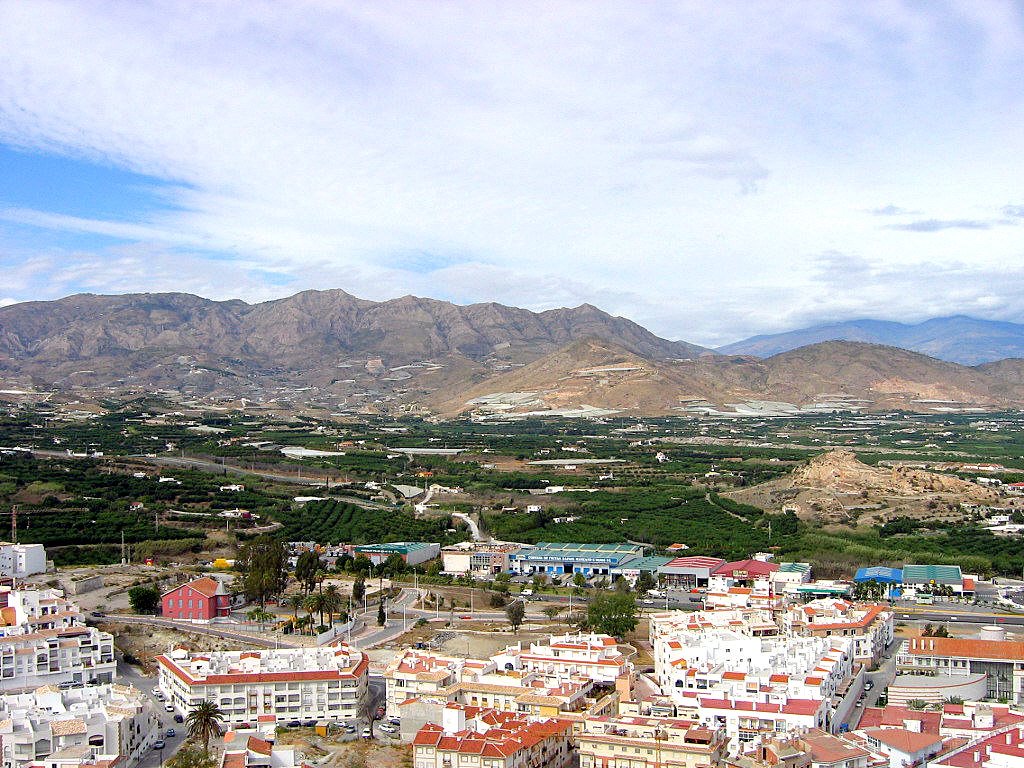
199,600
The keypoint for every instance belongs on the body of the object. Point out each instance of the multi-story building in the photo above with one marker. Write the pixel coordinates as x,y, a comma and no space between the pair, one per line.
944,658
489,739
199,600
326,683
25,610
689,572
869,627
478,558
639,742
593,656
419,673
733,669
20,560
112,723
75,654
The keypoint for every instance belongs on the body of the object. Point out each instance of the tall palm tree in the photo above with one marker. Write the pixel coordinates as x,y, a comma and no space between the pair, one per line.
316,603
203,723
332,600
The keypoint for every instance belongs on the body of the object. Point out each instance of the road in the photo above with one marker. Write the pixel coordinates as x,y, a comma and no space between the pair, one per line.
129,675
937,615
216,630
474,529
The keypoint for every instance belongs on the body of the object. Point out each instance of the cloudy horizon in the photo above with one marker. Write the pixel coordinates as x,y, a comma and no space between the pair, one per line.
710,171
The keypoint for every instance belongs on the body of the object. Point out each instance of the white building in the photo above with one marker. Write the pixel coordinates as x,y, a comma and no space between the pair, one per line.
733,669
593,656
20,560
26,610
326,683
869,627
77,654
112,723
483,559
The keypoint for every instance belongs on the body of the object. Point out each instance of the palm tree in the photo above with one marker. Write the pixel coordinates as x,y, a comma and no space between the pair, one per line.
332,600
316,603
203,723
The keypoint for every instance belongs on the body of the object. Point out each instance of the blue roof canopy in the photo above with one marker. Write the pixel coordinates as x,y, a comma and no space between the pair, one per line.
880,574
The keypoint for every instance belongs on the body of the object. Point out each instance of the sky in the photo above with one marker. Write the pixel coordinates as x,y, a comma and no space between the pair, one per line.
711,170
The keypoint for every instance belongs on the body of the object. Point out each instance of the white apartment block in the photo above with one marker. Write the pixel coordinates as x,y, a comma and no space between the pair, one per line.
733,670
868,627
740,654
20,560
327,683
26,610
75,654
593,656
418,673
112,724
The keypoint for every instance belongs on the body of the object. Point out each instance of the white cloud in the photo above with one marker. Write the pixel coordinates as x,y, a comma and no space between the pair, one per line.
680,165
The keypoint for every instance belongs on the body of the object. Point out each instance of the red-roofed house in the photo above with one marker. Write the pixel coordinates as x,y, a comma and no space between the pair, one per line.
904,747
200,600
247,751
492,740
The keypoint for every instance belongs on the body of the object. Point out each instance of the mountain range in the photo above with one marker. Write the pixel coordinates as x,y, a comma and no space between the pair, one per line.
328,349
958,339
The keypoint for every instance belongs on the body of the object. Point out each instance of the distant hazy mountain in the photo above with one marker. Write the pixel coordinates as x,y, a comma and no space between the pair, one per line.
330,350
958,339
602,375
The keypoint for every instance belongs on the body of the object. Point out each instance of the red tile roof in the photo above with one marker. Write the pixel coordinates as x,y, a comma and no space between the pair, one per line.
966,648
908,742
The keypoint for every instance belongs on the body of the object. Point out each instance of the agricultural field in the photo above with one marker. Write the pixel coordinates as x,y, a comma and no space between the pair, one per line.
657,481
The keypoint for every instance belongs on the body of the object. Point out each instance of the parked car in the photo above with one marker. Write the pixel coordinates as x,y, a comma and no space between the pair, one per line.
294,723
169,707
386,728
171,733
179,718
395,720
367,733
159,744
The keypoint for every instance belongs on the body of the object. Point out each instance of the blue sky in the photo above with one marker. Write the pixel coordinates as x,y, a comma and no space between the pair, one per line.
711,170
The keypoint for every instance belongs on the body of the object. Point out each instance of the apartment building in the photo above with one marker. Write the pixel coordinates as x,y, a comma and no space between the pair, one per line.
489,739
419,673
740,654
26,610
111,723
868,627
20,560
639,742
327,683
30,658
593,656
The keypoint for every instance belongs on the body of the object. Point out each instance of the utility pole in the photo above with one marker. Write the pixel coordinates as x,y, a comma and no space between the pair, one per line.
14,523
124,561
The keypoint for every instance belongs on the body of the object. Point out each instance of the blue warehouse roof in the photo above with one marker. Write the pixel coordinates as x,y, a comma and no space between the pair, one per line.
880,574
